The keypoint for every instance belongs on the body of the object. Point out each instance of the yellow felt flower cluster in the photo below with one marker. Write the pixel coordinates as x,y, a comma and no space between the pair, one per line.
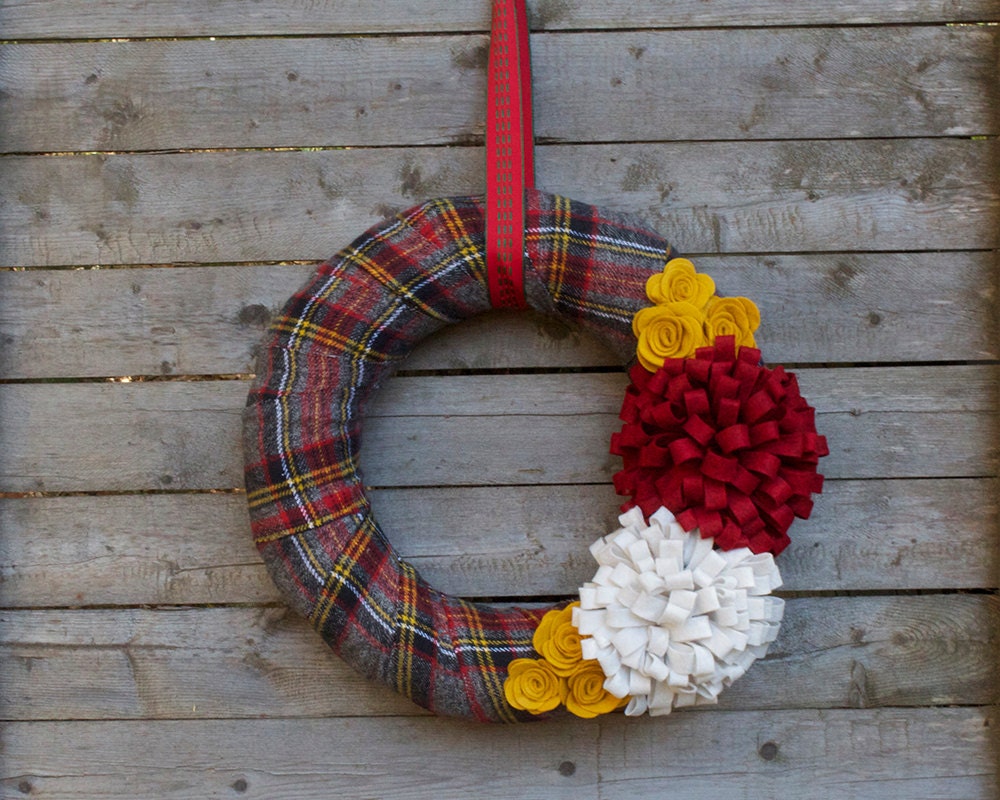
688,315
561,676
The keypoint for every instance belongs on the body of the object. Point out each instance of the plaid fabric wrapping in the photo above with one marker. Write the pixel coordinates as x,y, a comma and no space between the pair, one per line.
336,340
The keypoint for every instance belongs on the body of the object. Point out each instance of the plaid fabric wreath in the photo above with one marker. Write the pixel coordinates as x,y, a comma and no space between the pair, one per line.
720,454
335,342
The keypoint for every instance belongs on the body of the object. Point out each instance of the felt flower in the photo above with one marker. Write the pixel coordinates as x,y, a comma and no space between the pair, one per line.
672,330
586,696
561,675
680,283
732,316
727,445
558,641
532,686
670,620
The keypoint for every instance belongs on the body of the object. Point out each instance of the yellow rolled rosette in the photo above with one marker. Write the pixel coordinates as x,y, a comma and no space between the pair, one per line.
680,283
586,696
558,641
532,686
671,330
732,316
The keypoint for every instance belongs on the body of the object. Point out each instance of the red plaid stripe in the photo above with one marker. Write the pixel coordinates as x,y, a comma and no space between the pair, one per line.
336,340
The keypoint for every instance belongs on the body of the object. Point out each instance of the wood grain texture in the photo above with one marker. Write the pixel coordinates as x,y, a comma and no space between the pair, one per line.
192,320
881,422
63,19
521,540
895,754
838,652
890,755
723,197
798,83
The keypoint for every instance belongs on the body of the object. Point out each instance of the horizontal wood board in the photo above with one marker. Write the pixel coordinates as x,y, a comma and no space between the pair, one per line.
176,549
862,307
758,197
892,754
766,83
837,163
846,652
899,422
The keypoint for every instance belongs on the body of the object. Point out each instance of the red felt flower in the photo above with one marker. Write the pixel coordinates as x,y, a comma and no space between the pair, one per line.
727,445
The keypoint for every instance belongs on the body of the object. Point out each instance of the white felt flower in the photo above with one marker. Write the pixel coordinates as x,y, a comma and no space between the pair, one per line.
671,620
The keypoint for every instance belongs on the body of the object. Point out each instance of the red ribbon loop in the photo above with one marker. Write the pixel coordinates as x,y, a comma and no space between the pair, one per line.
509,155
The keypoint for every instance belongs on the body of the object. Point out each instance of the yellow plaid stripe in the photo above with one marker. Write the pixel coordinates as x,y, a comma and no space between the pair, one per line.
598,308
307,331
593,244
294,479
341,575
349,254
453,222
403,290
301,482
486,667
356,507
406,624
560,244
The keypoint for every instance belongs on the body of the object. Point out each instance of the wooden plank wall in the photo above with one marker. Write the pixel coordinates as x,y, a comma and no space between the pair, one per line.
169,169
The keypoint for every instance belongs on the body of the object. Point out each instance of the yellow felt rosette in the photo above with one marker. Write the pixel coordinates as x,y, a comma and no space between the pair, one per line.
680,283
586,696
671,330
532,686
558,641
732,316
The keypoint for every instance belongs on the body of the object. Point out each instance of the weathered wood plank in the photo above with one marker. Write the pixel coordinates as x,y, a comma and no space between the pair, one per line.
794,83
419,759
756,197
837,755
893,754
62,19
248,662
193,320
525,540
883,422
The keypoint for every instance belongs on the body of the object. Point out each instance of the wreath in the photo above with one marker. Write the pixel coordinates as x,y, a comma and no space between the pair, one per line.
719,456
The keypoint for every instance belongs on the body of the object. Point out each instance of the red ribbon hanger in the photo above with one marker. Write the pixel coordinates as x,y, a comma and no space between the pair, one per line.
510,165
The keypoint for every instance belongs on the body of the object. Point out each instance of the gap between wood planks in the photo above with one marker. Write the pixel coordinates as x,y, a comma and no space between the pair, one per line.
474,31
477,141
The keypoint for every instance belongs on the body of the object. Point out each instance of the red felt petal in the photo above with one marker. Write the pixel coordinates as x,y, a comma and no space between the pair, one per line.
743,509
725,348
735,437
685,450
757,406
696,402
716,497
663,415
655,454
699,430
693,489
720,467
761,463
745,481
764,432
727,411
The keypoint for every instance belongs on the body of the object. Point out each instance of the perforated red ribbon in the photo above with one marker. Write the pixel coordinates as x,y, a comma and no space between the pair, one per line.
727,445
509,157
